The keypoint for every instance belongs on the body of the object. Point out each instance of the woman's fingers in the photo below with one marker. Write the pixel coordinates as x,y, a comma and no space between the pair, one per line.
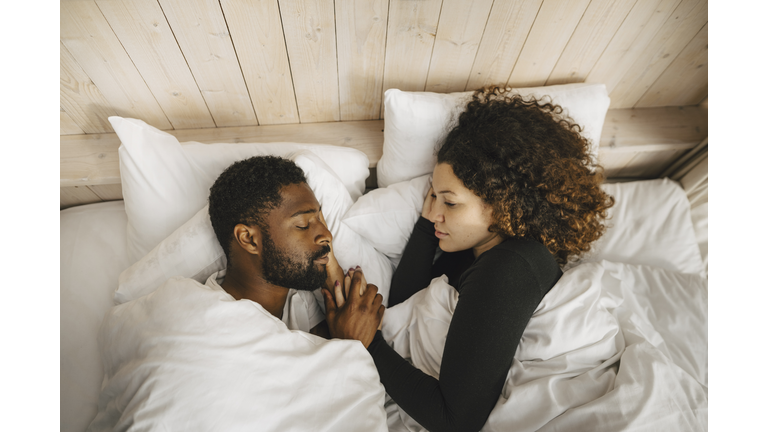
340,299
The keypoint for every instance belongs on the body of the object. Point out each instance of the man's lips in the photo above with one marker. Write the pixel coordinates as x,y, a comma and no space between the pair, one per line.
322,260
440,234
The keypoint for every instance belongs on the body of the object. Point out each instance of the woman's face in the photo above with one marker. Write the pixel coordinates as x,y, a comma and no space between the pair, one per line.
461,218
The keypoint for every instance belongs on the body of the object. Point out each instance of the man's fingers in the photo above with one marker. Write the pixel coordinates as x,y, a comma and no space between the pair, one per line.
371,292
330,305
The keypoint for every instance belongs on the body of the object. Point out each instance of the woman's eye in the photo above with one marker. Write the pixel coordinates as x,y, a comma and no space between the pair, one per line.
302,227
450,204
434,196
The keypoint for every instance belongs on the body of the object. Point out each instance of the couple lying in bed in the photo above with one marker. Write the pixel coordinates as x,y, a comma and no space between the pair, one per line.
514,196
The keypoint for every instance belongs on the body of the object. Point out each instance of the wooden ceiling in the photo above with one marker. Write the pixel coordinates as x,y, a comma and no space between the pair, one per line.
186,64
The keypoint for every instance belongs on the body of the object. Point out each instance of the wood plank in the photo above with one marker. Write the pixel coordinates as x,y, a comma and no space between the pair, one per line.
361,31
653,129
410,39
147,38
459,32
687,20
87,36
92,159
636,32
550,33
202,34
614,162
505,33
597,27
67,126
310,38
649,164
685,81
76,195
110,192
257,34
84,104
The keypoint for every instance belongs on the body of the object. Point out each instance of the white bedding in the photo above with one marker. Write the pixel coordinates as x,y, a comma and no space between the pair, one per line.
611,347
191,357
661,314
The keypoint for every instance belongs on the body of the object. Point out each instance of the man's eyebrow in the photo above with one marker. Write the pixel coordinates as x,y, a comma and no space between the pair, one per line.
302,212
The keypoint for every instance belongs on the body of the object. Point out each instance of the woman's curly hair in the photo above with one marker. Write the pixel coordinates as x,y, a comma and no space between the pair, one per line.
528,161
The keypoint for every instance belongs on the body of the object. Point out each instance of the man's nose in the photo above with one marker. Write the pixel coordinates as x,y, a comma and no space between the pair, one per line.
324,235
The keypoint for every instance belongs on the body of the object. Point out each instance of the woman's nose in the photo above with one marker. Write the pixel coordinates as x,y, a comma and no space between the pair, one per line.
435,215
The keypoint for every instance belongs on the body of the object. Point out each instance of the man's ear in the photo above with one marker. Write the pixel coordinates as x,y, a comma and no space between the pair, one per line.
248,238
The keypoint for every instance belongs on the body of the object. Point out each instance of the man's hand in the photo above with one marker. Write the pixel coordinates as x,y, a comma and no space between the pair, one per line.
359,314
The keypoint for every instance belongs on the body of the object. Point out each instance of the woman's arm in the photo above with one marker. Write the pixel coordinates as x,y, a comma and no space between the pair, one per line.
497,297
414,271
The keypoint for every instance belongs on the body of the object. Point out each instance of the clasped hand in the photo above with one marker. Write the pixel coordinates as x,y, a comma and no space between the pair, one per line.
355,310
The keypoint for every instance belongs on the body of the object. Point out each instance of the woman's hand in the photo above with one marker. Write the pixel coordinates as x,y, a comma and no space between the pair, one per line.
429,201
333,269
358,314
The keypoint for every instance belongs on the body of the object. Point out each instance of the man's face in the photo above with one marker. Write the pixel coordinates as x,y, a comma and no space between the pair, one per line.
296,246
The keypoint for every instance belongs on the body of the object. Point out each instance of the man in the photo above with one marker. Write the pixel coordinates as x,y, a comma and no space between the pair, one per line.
217,356
278,247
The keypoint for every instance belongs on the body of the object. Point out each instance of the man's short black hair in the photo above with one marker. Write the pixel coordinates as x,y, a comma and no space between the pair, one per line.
246,191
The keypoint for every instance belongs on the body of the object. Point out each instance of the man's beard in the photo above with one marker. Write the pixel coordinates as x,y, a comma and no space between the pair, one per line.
289,270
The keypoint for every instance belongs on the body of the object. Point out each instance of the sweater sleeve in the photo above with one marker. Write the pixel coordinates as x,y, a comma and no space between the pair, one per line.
498,296
413,273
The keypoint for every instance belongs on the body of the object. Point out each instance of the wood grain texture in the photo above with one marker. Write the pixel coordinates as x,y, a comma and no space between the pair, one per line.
88,37
80,98
550,33
311,42
679,29
361,32
653,129
257,34
505,33
76,195
410,39
642,23
648,165
593,34
147,38
684,82
108,192
202,34
67,126
461,27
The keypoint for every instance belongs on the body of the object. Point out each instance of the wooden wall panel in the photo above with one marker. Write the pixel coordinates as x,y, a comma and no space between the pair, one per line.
679,29
503,39
144,33
108,192
411,34
76,195
311,41
550,33
202,34
684,82
593,34
88,37
641,25
361,35
459,32
257,33
84,104
67,126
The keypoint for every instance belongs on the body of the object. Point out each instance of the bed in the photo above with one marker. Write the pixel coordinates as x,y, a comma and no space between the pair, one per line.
619,344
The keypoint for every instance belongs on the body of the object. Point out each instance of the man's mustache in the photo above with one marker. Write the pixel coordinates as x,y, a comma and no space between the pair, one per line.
325,249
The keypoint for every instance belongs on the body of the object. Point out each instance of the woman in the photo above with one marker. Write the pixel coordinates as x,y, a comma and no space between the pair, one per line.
514,197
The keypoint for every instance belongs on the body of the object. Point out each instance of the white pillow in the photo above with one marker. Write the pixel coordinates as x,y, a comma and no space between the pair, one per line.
417,123
193,251
165,183
385,216
650,224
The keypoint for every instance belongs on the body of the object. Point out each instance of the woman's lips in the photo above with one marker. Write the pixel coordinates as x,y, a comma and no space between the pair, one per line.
440,234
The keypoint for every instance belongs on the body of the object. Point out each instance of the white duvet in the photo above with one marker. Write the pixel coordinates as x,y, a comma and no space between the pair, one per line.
612,347
188,357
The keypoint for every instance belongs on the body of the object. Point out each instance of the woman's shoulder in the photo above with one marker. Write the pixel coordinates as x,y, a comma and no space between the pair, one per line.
516,255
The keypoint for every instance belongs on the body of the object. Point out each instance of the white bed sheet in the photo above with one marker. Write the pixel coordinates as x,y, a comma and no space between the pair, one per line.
93,253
